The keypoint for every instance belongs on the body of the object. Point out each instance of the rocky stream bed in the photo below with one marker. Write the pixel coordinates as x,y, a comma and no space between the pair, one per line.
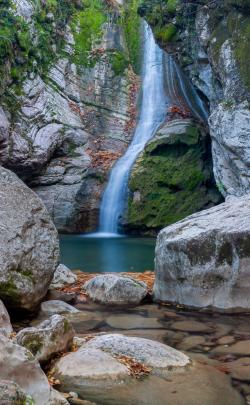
119,352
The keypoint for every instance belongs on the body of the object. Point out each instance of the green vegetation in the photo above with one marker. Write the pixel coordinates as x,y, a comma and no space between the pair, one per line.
20,54
34,344
87,28
164,17
171,6
172,181
119,62
131,24
165,33
9,291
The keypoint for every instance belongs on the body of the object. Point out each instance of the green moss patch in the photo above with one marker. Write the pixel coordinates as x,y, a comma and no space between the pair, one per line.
171,180
87,29
131,24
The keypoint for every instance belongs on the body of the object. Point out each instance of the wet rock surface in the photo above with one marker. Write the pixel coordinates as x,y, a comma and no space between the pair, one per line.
204,260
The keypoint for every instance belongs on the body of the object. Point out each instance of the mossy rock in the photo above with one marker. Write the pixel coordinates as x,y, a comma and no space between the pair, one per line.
172,178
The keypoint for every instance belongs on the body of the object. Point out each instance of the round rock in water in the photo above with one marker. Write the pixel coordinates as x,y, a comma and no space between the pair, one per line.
96,366
113,289
162,359
53,307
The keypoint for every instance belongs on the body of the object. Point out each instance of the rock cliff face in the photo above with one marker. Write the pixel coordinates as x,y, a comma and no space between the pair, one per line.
67,105
210,40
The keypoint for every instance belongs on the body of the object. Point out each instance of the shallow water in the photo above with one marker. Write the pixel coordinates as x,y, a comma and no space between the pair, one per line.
217,343
100,254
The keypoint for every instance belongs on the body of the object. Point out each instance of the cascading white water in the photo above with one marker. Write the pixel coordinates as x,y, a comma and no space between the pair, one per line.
152,113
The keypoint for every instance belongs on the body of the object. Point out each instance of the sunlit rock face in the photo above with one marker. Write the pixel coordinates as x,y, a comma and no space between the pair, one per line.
211,42
203,261
72,117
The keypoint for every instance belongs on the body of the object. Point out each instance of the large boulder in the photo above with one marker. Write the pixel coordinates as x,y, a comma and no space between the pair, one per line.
5,325
28,244
18,365
204,260
48,338
113,289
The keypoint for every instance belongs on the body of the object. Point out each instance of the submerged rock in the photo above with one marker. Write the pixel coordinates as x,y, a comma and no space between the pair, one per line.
28,244
62,276
100,371
113,289
204,260
5,325
87,369
48,338
53,307
162,359
96,365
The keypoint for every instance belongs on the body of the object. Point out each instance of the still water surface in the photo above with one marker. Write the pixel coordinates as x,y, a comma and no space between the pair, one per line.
98,254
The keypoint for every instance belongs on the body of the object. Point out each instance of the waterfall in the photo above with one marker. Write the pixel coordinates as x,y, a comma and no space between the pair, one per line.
181,92
152,113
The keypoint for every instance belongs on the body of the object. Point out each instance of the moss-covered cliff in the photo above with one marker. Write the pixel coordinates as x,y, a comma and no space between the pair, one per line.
67,98
172,178
210,40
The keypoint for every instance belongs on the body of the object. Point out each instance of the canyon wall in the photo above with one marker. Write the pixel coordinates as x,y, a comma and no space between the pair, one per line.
68,99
